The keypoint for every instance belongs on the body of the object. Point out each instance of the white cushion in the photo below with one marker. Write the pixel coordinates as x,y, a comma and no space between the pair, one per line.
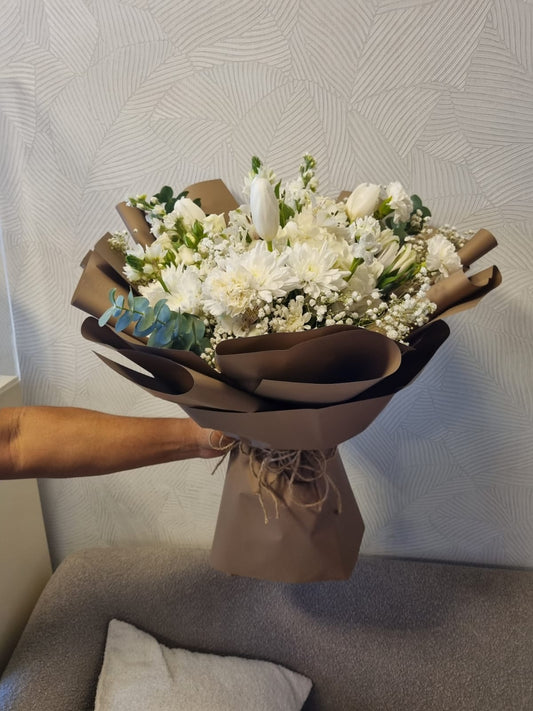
139,674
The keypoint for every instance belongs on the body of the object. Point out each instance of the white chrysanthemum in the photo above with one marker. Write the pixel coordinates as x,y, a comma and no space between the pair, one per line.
441,256
185,289
271,277
400,202
291,318
313,269
244,281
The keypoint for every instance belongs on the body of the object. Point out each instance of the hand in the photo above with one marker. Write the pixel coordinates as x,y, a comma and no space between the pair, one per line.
208,443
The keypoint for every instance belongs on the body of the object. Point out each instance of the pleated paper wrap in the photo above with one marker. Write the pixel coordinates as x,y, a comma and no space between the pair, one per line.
287,512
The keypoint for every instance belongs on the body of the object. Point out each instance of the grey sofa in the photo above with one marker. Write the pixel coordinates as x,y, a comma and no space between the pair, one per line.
399,634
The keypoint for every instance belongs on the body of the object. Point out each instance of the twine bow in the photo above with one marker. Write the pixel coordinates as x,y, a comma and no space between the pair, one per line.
294,468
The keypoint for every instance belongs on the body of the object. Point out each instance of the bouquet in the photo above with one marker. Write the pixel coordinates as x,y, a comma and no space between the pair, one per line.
287,322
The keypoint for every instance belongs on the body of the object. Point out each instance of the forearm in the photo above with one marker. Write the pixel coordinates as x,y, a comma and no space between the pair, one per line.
70,442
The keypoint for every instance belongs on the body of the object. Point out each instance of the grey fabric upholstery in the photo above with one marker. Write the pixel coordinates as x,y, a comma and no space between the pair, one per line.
398,635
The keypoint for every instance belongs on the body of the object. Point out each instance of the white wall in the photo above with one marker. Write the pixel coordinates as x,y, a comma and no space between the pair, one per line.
105,98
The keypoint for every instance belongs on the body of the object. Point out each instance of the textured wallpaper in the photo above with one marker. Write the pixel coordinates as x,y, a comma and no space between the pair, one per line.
100,99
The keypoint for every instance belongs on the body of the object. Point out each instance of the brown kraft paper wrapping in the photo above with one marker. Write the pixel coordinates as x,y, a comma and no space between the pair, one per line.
291,542
296,543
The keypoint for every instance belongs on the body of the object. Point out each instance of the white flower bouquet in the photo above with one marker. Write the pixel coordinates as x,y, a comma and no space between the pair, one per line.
289,322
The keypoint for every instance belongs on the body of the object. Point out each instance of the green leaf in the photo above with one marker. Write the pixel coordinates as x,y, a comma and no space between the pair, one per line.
383,209
285,213
135,262
400,230
256,164
165,194
198,230
417,203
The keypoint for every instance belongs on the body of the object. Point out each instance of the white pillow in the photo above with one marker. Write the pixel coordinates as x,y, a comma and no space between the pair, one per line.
139,674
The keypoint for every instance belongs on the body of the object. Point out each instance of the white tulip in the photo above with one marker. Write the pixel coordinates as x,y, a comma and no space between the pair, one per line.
188,211
264,207
363,201
406,258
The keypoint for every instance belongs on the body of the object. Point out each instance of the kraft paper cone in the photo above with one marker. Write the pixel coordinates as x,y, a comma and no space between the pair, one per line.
325,427
97,280
194,388
476,247
321,366
299,544
461,291
215,198
136,224
107,336
113,257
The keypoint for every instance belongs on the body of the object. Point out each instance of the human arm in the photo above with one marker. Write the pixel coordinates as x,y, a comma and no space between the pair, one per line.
72,442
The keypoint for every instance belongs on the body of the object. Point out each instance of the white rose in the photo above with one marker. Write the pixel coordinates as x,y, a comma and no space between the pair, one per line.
441,256
400,202
363,201
264,207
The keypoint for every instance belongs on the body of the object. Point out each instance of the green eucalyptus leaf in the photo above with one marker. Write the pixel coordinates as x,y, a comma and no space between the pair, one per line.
141,303
108,313
123,322
146,323
417,203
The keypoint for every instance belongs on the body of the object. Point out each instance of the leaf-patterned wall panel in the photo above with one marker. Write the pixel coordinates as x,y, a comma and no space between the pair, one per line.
102,99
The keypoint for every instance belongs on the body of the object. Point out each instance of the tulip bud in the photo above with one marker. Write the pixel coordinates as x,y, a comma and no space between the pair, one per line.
264,207
405,258
363,201
189,211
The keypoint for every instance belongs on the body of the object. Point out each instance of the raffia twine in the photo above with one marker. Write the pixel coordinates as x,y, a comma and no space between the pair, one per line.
279,470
